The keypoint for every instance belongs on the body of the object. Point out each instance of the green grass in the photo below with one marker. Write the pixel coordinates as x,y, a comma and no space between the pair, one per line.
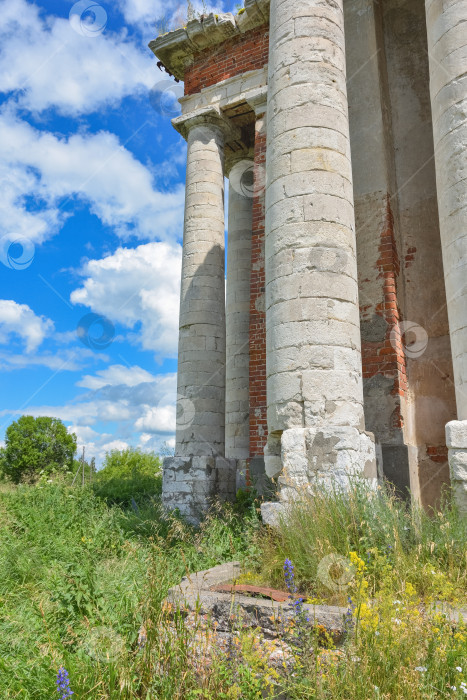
399,542
83,577
79,576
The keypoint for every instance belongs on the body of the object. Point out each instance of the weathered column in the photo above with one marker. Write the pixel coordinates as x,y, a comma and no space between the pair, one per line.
237,409
447,48
199,470
314,384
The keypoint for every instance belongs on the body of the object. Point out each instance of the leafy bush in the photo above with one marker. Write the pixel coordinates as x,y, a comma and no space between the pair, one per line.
35,445
129,474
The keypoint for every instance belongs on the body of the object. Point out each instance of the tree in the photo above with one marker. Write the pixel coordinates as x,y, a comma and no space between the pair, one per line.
33,445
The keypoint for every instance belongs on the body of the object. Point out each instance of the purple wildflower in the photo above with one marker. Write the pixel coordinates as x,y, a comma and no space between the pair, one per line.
289,576
63,684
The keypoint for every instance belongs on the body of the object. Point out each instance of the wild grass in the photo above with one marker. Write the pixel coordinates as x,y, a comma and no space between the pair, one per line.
79,580
83,583
399,541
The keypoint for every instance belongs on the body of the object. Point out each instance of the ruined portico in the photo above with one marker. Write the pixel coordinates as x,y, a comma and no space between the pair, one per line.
329,353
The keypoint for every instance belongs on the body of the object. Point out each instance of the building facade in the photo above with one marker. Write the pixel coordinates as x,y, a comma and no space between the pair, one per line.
338,345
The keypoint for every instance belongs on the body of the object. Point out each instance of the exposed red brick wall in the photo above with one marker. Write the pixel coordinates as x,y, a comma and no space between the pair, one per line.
387,357
238,55
437,453
258,419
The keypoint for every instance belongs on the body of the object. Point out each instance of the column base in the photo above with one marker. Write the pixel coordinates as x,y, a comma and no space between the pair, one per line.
189,484
318,459
456,441
325,457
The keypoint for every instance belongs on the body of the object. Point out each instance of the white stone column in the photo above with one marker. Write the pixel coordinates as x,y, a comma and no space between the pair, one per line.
314,385
447,49
199,470
201,350
237,425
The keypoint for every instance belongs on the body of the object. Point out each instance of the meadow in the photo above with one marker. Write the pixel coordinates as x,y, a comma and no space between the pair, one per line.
84,575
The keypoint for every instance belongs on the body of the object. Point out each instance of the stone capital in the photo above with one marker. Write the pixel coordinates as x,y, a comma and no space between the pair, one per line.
206,116
258,100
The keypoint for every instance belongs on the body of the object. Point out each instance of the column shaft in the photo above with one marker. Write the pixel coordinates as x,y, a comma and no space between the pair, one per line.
237,429
201,354
447,50
314,384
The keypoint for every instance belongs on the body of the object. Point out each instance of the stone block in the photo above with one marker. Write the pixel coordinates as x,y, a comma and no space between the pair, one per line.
271,512
272,465
456,434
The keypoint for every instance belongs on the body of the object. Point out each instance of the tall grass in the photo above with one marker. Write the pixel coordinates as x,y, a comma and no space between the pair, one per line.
400,542
79,579
83,583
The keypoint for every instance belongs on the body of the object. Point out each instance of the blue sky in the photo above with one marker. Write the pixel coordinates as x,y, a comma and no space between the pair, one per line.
91,220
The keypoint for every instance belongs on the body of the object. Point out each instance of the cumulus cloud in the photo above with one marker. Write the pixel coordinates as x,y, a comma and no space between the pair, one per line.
115,375
145,11
137,285
96,444
94,168
118,403
20,320
45,62
69,359
154,17
157,419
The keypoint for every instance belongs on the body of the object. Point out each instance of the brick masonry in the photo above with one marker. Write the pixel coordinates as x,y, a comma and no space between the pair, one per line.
387,357
233,57
258,404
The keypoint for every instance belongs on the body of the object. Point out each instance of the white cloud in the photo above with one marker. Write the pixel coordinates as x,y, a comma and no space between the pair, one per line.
145,11
69,360
84,433
49,64
94,168
83,413
157,419
20,320
96,444
115,375
137,285
121,403
156,16
113,445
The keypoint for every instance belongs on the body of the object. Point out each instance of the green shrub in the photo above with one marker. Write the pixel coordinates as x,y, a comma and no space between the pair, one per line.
129,474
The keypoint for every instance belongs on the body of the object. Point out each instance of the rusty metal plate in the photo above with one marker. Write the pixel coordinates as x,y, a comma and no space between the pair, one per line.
272,593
